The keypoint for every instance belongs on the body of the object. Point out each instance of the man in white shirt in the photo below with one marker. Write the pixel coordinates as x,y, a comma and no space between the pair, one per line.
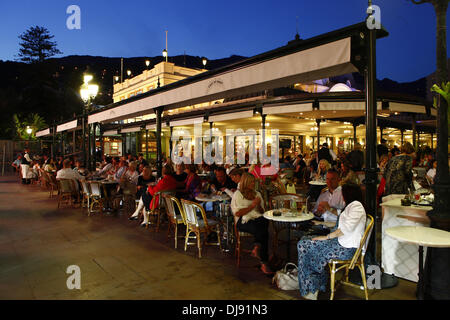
68,173
330,202
235,175
27,174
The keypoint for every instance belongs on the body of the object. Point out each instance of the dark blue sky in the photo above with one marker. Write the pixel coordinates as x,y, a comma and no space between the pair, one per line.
220,28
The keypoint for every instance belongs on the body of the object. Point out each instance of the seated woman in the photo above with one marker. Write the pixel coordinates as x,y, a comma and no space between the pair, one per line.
143,180
180,175
193,183
314,254
248,206
322,169
347,175
167,183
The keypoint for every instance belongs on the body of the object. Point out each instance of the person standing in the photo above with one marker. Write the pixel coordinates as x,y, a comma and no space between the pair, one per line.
398,172
25,167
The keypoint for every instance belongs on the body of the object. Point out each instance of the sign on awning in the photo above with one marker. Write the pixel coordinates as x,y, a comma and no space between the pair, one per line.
67,126
291,108
43,133
231,116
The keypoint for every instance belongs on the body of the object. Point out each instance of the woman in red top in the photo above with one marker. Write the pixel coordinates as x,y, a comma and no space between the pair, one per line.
167,183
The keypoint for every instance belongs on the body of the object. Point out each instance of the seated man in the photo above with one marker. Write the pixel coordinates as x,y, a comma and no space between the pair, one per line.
68,173
330,202
222,181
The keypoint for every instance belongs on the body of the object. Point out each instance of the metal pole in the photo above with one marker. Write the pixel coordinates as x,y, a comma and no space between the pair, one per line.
146,144
159,112
401,136
318,134
371,135
354,134
413,124
83,128
170,141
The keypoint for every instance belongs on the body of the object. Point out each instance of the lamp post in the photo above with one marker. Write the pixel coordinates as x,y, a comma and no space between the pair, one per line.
164,53
87,92
29,131
204,61
147,63
129,73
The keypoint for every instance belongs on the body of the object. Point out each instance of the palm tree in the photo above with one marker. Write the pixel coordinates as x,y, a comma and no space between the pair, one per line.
33,121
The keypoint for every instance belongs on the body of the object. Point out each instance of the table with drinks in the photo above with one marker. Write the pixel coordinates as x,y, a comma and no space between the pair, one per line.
223,214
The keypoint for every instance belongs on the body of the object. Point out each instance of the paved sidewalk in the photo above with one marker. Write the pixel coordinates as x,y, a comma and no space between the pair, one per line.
120,260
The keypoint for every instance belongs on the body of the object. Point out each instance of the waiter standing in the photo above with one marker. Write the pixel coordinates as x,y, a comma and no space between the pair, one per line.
25,166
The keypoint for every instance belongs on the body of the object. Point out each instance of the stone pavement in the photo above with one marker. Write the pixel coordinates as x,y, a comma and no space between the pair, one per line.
120,260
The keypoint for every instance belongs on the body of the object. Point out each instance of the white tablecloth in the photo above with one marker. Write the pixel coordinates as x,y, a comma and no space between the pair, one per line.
399,258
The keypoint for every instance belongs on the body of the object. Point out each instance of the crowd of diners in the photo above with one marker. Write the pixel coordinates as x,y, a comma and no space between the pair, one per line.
338,201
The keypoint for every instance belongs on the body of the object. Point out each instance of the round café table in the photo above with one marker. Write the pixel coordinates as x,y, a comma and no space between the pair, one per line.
317,183
422,236
288,216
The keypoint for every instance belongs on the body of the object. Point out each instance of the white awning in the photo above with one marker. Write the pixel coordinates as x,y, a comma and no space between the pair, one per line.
128,130
110,133
186,122
288,108
306,65
153,126
405,107
231,116
67,126
43,133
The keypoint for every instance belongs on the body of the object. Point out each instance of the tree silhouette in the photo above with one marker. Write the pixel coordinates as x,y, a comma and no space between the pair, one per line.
36,45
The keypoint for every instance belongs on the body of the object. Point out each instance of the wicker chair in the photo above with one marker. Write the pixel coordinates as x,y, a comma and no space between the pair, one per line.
357,260
86,194
97,199
239,235
53,184
129,190
172,204
156,209
289,201
199,226
67,191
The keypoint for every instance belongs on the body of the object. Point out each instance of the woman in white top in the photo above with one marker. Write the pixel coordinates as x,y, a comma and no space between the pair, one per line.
432,172
314,254
248,207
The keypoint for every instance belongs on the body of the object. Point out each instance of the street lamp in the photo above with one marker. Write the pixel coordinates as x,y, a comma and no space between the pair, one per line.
164,53
87,92
129,72
147,63
204,61
29,131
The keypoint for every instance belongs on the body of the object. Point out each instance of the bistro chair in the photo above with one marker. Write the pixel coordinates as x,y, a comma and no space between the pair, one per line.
86,194
129,191
67,191
97,198
288,201
239,236
53,184
199,226
172,205
156,209
45,180
357,260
